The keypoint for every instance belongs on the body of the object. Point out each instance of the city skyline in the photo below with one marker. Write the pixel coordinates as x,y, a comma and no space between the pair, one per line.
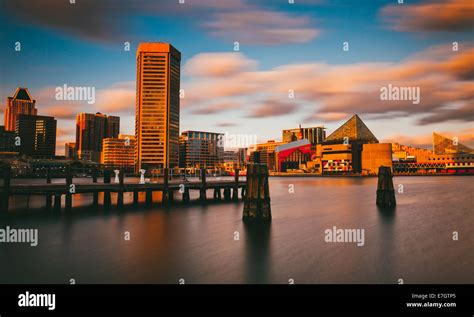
247,90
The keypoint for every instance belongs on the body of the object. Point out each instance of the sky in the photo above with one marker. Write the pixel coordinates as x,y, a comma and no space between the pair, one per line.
311,62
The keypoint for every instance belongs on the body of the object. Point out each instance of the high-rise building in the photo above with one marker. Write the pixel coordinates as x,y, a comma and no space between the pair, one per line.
315,135
7,141
20,103
70,150
91,129
201,149
119,152
157,108
37,135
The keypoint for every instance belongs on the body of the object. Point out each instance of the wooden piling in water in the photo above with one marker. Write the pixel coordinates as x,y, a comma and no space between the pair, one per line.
68,202
95,193
7,171
385,191
202,190
149,198
57,202
257,199
165,196
48,196
235,190
120,192
107,198
186,195
217,193
135,198
227,194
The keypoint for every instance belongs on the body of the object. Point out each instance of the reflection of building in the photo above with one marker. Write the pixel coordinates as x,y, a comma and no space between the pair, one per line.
201,149
157,108
91,129
119,152
293,155
37,135
265,153
70,150
315,135
7,142
20,103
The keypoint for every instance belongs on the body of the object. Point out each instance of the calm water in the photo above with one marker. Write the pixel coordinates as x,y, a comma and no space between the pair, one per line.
196,242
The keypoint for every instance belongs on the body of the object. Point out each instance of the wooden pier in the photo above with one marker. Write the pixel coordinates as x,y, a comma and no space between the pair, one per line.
168,188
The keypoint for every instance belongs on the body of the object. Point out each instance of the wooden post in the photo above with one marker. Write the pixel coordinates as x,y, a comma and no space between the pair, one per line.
48,176
95,193
120,192
385,191
217,193
165,196
149,198
135,198
202,190
7,171
227,193
257,196
235,192
186,195
107,198
57,202
68,202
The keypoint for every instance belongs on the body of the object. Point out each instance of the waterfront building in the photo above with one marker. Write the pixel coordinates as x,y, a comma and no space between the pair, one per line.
315,135
37,135
294,155
157,106
265,153
353,132
70,150
200,149
7,143
119,152
91,129
20,103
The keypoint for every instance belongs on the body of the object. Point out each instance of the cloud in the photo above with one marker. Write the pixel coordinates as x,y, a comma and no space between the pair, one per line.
216,108
112,20
225,124
329,92
272,108
218,64
445,15
256,26
118,98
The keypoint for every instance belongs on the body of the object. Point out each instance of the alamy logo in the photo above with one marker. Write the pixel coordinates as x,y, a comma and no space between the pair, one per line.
76,93
345,235
37,300
12,235
400,93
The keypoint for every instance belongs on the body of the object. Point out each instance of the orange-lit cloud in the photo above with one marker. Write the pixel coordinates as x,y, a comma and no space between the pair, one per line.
329,92
445,15
271,108
216,108
218,64
256,26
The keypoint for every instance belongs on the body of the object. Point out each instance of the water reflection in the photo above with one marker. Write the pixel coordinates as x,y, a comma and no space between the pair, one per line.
257,242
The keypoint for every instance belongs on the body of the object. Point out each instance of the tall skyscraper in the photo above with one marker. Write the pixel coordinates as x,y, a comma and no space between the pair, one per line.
37,135
20,103
157,106
91,129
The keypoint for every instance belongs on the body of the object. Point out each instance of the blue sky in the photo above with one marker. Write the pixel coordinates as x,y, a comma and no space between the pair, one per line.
282,46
